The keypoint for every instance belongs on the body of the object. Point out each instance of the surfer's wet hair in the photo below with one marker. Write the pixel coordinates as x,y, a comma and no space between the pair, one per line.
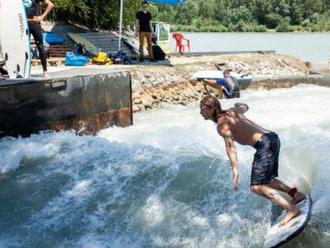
214,105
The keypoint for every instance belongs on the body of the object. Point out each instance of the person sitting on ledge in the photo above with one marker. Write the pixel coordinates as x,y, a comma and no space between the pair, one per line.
228,86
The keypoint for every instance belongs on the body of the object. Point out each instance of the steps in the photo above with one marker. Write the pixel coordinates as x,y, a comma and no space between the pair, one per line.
58,51
102,41
50,61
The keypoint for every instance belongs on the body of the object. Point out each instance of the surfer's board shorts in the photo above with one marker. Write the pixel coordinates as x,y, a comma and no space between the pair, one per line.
265,163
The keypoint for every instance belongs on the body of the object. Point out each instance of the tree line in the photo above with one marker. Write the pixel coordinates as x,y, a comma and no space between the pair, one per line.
205,15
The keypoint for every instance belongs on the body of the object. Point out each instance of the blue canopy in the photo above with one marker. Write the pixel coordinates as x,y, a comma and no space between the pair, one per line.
167,1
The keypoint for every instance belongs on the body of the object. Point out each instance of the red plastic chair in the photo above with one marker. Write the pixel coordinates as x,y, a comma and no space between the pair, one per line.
179,38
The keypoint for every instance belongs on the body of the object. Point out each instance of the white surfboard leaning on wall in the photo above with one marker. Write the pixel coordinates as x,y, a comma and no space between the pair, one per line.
15,42
216,74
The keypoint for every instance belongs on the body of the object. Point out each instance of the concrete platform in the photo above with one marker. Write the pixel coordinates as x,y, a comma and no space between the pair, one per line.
83,100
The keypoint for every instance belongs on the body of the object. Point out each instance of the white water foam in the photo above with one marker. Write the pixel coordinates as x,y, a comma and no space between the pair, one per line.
164,182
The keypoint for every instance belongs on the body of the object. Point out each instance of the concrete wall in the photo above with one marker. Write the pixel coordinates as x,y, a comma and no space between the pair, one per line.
83,103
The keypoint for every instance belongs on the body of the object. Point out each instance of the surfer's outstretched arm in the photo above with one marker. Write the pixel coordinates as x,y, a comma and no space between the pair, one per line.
207,91
225,132
213,84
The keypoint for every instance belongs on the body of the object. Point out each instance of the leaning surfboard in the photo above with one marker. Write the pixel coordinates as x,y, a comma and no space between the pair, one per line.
215,75
15,42
277,235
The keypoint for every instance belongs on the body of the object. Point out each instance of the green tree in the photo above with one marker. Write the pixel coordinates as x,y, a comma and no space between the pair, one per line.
284,26
188,12
311,6
273,20
207,15
296,13
238,14
206,9
282,7
261,9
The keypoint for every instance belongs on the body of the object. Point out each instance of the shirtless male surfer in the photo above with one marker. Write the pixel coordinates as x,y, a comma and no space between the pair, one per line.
232,125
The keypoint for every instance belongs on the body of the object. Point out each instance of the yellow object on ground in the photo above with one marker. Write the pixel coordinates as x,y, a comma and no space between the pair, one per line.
102,59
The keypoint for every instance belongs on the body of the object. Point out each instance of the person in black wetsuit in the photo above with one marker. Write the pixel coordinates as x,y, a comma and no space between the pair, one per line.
33,11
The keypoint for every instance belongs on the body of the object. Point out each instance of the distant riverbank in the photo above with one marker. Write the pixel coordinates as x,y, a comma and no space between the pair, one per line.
314,47
282,27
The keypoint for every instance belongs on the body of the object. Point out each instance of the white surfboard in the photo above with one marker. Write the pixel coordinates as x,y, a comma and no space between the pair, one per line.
215,74
15,43
277,236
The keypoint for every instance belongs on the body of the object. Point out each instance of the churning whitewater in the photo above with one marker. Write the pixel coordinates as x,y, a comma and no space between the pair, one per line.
164,182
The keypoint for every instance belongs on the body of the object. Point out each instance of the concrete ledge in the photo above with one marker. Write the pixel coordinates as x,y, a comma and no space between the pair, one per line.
197,54
83,103
320,80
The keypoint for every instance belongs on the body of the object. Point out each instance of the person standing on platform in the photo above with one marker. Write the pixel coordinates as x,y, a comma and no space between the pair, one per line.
33,11
144,28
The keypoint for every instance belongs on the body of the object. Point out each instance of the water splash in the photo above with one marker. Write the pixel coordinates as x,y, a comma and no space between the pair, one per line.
164,182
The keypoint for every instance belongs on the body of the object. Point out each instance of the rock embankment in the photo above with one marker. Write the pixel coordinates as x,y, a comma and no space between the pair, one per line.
154,86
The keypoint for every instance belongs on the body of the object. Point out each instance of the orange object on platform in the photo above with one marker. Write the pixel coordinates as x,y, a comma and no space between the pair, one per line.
179,38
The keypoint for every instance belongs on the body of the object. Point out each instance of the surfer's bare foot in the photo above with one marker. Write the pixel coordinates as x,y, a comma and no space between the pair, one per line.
298,197
290,215
46,75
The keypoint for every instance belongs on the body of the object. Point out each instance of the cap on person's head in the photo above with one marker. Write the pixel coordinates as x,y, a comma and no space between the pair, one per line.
145,3
227,71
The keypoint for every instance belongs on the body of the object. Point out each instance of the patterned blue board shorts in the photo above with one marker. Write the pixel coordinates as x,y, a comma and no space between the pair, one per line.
265,163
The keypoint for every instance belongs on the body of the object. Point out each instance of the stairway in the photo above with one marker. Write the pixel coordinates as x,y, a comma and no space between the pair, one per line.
58,51
103,41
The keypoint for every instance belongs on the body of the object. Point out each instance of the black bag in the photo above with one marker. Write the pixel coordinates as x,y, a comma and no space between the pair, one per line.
79,49
158,53
3,72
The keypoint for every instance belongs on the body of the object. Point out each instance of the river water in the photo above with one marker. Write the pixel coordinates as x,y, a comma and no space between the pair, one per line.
164,182
313,47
